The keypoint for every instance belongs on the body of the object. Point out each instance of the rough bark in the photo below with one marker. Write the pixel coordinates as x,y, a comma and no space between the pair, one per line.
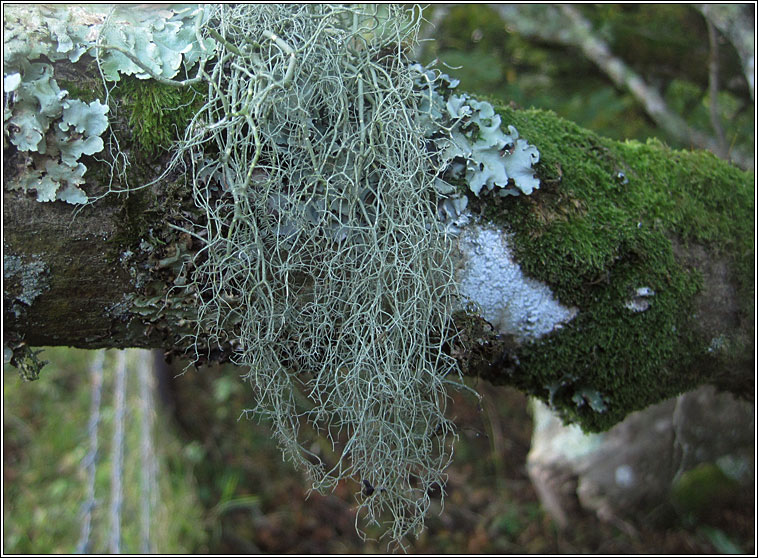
64,282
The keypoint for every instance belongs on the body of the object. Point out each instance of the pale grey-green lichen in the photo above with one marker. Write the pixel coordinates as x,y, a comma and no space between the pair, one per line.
494,159
39,118
24,281
512,302
160,37
591,397
53,130
482,154
640,300
346,277
24,358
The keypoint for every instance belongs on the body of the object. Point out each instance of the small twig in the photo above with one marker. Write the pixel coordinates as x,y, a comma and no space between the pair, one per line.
182,229
569,26
432,26
287,50
143,66
229,46
734,22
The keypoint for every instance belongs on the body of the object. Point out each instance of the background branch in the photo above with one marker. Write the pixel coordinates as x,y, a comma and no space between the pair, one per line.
736,24
565,25
713,89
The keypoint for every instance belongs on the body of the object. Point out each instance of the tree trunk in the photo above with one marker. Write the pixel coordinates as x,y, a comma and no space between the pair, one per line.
629,272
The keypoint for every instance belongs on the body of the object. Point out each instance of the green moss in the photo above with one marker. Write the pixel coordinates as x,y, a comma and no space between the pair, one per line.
158,114
595,236
86,90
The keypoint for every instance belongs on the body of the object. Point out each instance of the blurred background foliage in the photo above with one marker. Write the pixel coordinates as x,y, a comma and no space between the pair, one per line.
223,487
667,45
45,441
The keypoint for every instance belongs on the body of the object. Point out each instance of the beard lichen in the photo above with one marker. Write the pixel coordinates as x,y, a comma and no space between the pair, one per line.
323,264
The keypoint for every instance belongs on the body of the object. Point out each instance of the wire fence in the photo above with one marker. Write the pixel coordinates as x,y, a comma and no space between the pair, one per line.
90,459
98,532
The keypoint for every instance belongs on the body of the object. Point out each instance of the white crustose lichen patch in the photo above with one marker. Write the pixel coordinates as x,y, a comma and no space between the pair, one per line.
512,302
641,299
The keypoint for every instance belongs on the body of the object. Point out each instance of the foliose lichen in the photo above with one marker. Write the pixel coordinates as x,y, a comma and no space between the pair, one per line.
54,131
482,155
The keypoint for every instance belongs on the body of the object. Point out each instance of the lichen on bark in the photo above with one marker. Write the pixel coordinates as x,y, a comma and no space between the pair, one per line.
613,219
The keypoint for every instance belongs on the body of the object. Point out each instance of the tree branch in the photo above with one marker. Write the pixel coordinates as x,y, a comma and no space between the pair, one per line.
94,279
713,90
578,33
625,278
736,25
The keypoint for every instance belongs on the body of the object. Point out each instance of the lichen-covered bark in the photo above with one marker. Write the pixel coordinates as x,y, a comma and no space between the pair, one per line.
610,220
654,247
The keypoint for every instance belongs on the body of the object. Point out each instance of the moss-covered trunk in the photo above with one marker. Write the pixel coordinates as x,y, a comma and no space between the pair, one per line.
654,247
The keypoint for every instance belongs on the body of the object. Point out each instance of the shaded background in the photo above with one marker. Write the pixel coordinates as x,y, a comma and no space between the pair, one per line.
220,484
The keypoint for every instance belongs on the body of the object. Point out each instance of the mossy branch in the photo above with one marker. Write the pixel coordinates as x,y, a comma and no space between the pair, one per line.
702,205
304,246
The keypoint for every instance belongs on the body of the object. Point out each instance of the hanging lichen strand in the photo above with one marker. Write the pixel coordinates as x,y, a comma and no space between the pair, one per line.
324,265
